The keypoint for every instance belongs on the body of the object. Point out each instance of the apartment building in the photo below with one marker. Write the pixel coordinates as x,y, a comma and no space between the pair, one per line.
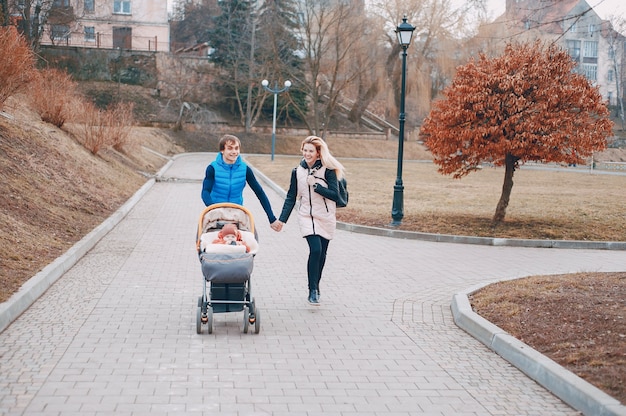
591,41
112,24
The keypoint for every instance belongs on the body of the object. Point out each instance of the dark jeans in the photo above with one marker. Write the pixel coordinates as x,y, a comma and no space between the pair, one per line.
318,246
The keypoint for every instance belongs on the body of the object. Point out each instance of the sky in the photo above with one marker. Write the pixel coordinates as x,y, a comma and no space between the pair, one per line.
604,8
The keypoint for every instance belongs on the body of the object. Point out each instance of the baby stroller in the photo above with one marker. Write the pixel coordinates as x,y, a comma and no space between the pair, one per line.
227,268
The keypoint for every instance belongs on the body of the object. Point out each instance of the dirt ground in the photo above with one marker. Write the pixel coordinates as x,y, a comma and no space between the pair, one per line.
577,320
55,192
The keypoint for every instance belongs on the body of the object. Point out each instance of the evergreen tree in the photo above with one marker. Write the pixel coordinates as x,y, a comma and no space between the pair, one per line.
278,54
192,22
232,39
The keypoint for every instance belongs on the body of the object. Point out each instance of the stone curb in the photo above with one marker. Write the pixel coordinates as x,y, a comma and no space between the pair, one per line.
564,384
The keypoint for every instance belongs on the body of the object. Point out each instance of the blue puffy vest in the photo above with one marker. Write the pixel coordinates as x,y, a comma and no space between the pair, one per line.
229,180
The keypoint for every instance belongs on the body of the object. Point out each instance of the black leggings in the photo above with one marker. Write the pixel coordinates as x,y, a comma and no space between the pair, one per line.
318,246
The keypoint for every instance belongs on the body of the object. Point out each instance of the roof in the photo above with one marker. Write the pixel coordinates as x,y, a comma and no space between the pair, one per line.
548,14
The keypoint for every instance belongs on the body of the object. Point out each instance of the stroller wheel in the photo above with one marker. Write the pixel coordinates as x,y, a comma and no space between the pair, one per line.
246,319
199,318
209,316
257,323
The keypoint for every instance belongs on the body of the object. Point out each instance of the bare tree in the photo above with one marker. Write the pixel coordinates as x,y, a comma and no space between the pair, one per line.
435,50
617,25
328,38
30,16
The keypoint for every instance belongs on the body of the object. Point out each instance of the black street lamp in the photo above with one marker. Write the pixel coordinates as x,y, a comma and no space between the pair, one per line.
404,32
275,91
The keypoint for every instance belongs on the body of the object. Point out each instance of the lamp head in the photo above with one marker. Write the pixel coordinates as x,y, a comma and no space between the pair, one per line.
265,83
405,32
287,84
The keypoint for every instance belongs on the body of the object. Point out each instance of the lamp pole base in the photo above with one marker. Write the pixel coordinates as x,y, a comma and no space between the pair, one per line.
397,209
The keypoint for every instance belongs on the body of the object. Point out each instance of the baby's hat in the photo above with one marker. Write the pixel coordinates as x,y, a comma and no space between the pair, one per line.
229,229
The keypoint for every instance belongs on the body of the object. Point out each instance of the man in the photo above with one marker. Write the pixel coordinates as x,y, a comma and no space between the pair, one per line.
226,177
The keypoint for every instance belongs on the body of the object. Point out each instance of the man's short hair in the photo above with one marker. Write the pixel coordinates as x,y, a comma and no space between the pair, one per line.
228,138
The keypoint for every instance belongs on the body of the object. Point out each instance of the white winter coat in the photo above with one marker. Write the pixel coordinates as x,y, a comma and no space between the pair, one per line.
316,214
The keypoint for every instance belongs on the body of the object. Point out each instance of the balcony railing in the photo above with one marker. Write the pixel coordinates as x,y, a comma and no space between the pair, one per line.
105,41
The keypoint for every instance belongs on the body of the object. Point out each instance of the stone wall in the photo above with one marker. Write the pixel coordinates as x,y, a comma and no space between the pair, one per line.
90,64
187,78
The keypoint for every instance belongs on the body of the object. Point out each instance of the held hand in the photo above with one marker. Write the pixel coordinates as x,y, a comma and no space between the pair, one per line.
277,226
310,180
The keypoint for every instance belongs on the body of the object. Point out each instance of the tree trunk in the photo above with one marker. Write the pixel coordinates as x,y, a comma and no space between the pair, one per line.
393,75
361,104
248,121
507,186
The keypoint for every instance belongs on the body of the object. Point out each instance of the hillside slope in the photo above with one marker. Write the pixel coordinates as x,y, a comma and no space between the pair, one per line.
54,191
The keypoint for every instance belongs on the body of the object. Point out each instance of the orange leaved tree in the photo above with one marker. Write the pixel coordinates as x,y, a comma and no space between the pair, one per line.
526,105
17,63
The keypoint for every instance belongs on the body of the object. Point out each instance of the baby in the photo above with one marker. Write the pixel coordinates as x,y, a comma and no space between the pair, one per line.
230,235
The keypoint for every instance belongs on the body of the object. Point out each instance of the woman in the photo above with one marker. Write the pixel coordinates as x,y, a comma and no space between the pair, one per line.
314,184
226,177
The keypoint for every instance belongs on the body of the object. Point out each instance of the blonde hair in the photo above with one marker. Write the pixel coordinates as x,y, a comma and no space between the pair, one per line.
327,159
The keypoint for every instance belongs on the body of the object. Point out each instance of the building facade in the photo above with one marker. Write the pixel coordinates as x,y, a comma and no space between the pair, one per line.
593,43
112,24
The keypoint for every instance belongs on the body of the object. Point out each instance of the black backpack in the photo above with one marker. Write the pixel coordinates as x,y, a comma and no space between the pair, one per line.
342,190
342,186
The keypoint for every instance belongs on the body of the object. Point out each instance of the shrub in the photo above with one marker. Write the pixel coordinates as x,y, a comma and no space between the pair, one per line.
51,94
16,63
103,128
120,121
93,128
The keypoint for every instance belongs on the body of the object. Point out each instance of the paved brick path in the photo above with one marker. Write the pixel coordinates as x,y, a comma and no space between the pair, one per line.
116,334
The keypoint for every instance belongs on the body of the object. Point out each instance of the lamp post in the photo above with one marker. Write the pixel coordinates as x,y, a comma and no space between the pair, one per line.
275,91
404,32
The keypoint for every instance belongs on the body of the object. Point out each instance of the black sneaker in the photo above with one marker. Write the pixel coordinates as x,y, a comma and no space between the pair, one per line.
313,299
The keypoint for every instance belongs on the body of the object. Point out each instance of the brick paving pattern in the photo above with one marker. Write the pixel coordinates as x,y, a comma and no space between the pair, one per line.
116,334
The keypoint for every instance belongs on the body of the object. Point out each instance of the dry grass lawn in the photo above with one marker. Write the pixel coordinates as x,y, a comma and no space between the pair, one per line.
569,204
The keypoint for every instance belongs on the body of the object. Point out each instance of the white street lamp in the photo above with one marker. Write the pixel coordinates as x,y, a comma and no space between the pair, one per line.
265,83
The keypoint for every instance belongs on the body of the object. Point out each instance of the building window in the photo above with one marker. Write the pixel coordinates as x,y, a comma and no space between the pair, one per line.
573,48
592,28
60,32
121,6
61,3
590,71
90,34
89,6
610,76
590,52
590,49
